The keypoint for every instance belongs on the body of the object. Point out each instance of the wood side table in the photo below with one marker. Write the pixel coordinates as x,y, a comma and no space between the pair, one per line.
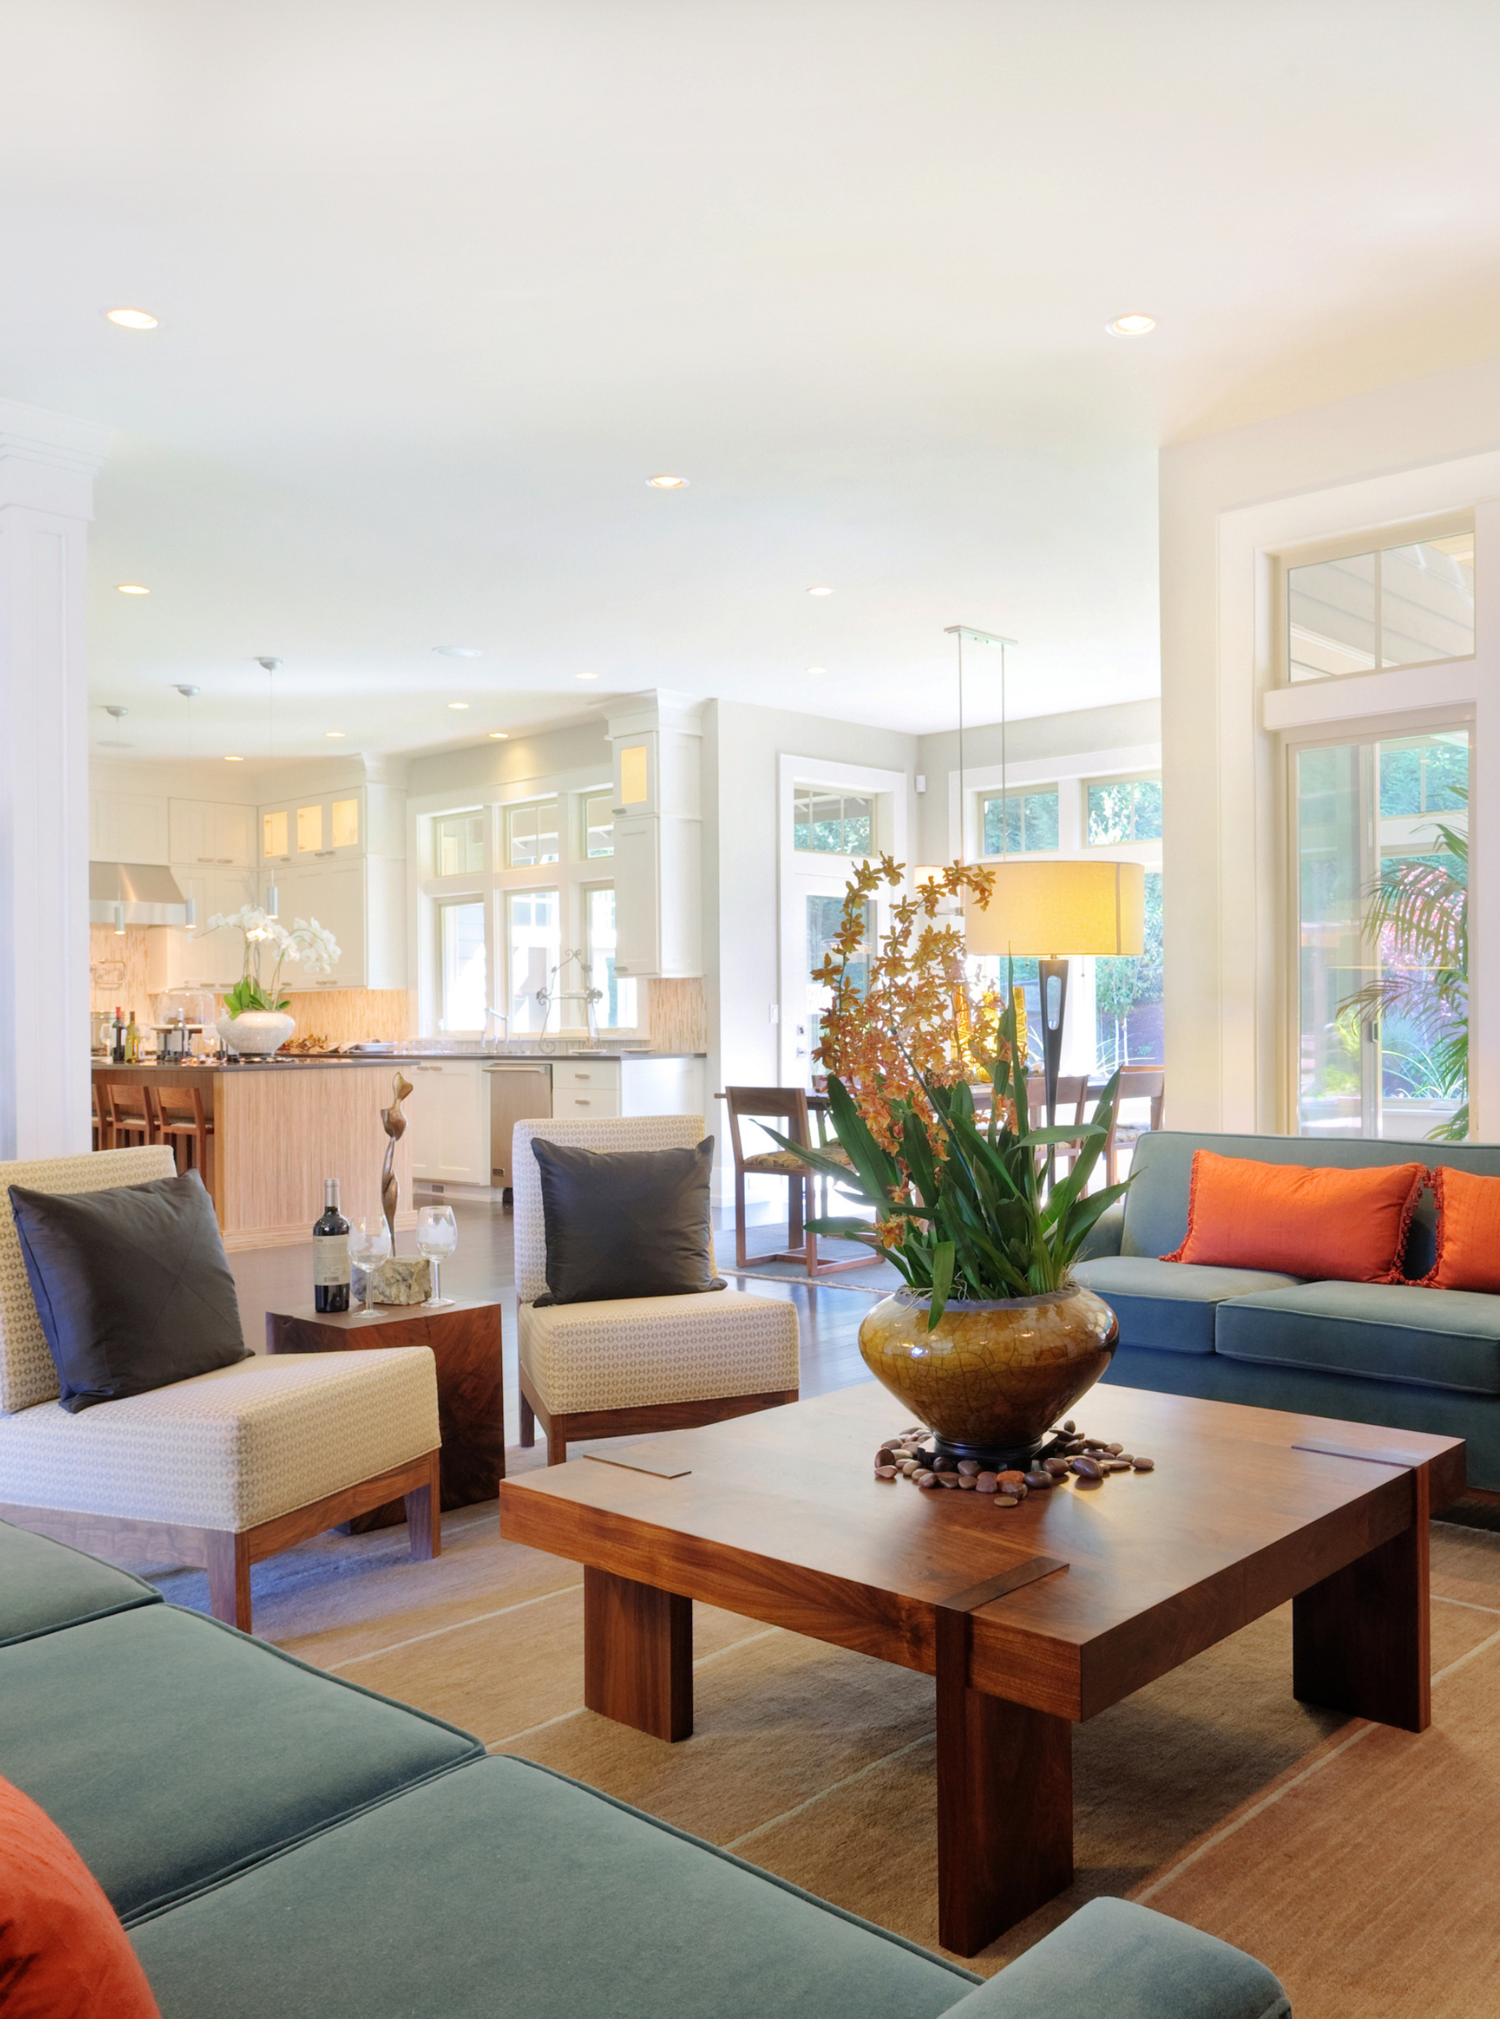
465,1338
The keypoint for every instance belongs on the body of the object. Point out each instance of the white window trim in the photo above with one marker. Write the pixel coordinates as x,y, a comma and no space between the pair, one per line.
1070,774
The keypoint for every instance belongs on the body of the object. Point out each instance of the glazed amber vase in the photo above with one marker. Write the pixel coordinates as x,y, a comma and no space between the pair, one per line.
992,1379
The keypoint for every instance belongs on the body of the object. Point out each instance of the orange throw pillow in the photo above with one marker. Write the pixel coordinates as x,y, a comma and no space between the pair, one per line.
63,1953
1301,1220
1468,1231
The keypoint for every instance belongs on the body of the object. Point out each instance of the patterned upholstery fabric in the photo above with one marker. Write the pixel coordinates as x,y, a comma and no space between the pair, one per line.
633,1352
229,1449
27,1375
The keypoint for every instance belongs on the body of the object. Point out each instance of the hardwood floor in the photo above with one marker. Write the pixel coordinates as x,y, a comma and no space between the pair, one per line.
483,1267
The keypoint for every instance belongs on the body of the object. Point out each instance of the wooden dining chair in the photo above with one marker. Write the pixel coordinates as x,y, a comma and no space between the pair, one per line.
787,1108
127,1115
1135,1085
183,1122
1072,1107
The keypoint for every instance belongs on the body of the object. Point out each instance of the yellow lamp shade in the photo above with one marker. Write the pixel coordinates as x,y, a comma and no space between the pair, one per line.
1044,908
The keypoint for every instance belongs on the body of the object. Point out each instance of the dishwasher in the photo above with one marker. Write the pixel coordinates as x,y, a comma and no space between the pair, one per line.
518,1093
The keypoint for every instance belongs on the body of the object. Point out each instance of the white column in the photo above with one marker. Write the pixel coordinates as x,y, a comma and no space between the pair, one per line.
47,466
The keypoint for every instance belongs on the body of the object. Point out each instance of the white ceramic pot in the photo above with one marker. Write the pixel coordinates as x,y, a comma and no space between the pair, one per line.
255,1034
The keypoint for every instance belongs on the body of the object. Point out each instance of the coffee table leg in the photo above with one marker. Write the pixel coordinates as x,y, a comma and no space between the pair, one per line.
638,1654
1005,1802
1362,1639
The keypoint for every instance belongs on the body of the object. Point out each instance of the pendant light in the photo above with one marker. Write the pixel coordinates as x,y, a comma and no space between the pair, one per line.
1094,908
273,895
187,692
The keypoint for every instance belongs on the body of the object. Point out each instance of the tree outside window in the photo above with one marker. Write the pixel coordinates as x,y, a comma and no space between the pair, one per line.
1018,823
1124,810
1128,995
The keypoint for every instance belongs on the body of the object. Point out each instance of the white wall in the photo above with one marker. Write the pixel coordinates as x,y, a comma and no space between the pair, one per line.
1227,503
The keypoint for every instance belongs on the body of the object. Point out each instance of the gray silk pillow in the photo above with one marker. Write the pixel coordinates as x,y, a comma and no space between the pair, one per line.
626,1223
131,1285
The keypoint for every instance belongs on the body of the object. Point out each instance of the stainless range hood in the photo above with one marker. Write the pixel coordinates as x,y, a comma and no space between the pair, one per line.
134,893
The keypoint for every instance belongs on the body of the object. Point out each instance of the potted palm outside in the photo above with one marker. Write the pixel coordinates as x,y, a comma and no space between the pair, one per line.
991,1340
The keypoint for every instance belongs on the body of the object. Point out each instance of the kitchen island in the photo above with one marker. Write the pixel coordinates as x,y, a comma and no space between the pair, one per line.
280,1127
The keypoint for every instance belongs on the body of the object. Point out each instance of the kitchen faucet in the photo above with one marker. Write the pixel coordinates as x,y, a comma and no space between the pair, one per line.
494,1016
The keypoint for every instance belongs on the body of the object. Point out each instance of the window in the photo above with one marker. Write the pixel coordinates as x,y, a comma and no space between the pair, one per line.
1124,809
617,1010
531,932
463,979
1015,823
1400,606
832,823
1128,996
458,844
531,834
598,824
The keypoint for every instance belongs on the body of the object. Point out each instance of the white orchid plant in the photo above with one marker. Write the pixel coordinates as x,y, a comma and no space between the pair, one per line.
312,945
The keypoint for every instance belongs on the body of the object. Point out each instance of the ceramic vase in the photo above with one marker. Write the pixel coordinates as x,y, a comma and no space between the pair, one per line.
992,1379
255,1034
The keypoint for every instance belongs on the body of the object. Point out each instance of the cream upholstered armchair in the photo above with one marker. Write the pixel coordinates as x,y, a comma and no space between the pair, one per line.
638,1364
220,1470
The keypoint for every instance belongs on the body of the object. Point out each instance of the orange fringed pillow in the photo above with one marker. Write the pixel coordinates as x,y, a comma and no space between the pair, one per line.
63,1953
1468,1231
1348,1225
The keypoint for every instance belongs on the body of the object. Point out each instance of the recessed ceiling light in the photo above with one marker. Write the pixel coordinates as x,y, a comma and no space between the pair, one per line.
1131,325
817,669
132,589
131,318
585,676
668,483
338,735
459,651
499,736
820,589
234,760
458,704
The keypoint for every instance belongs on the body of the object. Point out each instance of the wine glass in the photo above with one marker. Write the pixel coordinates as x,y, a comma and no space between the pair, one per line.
369,1244
437,1237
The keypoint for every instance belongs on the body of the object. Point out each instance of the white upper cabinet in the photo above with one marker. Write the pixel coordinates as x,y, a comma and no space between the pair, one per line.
204,832
128,827
658,842
314,829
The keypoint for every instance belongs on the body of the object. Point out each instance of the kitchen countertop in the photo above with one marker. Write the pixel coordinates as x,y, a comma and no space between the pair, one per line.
324,1059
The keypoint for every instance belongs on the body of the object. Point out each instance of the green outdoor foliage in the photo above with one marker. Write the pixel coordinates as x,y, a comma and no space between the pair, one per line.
1419,912
976,1219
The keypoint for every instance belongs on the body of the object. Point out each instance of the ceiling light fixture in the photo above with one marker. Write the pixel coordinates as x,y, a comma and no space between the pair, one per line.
130,318
668,483
338,735
188,692
1131,326
499,736
459,651
458,704
234,760
132,589
820,589
585,676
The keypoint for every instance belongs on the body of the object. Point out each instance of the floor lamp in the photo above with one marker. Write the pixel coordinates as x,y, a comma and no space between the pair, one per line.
1088,907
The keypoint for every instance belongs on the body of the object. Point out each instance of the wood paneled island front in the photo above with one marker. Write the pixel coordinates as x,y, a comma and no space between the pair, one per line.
279,1130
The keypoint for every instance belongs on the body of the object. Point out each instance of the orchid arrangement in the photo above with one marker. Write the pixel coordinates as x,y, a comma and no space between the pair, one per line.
964,1203
308,943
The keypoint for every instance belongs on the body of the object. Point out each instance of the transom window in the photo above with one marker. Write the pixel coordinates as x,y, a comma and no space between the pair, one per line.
598,824
1395,606
458,844
1123,810
531,834
832,823
1017,823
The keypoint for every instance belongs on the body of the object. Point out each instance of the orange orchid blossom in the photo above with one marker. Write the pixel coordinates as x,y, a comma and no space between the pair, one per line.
914,1021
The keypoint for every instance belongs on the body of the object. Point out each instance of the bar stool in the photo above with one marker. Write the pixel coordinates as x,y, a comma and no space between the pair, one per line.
181,1121
127,1116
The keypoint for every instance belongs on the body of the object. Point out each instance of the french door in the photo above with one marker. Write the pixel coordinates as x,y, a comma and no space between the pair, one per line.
1363,811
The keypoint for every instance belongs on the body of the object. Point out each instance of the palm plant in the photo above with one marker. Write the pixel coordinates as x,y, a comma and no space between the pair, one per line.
962,1204
1419,909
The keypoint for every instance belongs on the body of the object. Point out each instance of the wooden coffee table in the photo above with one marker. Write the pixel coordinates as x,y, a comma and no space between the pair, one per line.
1032,1618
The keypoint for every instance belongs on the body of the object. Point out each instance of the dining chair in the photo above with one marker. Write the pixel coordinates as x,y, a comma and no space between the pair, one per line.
787,1109
1072,1107
1135,1085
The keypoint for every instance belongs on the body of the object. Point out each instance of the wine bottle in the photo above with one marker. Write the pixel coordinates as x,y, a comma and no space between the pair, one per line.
331,1254
117,1047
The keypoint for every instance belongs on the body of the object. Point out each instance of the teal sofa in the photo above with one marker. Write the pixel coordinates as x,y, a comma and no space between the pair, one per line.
284,1845
1388,1353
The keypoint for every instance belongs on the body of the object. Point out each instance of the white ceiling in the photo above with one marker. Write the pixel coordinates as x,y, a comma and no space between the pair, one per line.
441,284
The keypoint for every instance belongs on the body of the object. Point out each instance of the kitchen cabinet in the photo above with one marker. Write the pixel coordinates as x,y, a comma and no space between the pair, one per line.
191,956
448,1121
361,902
318,828
586,1089
128,827
204,831
658,840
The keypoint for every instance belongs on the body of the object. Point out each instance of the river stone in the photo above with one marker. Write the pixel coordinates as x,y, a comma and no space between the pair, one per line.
399,1279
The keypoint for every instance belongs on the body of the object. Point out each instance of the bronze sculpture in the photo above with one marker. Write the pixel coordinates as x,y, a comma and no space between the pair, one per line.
394,1122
